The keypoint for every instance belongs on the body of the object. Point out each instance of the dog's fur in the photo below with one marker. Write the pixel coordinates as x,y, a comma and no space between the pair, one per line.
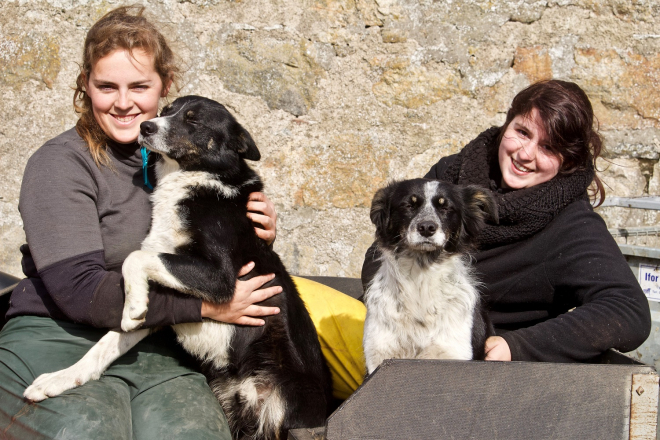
423,302
268,379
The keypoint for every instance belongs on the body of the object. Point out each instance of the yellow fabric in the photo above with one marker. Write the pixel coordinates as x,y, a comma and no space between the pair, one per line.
339,322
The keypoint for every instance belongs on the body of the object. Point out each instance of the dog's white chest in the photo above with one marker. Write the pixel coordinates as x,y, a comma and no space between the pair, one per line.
167,221
168,224
415,312
209,341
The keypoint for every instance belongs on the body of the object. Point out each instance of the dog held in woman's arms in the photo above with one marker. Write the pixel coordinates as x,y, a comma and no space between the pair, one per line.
268,379
423,302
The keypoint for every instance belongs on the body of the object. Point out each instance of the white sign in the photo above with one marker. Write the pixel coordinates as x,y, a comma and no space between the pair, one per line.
649,279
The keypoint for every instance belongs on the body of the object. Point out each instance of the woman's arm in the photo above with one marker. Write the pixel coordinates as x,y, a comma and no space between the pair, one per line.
66,260
590,278
64,198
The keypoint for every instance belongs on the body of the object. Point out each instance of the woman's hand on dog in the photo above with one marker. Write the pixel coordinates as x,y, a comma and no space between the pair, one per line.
242,309
497,349
262,212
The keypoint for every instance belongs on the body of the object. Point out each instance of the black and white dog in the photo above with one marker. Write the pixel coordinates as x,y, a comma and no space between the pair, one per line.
423,301
268,379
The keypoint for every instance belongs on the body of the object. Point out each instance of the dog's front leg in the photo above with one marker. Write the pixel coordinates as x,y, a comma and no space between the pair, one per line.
109,348
380,344
437,350
138,268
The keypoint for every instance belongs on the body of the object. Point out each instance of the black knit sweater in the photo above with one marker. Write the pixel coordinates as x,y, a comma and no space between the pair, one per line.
562,293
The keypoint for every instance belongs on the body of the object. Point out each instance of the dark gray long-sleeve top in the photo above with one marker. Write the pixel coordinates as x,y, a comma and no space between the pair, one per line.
81,222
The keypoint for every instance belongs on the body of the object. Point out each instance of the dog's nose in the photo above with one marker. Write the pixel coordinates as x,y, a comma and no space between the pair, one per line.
427,229
147,128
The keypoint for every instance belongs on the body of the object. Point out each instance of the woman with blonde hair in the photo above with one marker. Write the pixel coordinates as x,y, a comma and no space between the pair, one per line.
85,206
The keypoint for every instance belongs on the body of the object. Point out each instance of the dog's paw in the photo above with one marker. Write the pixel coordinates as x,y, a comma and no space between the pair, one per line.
136,306
53,384
128,325
134,315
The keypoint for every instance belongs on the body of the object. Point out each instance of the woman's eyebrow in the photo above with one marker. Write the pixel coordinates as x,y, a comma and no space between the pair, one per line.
141,82
521,125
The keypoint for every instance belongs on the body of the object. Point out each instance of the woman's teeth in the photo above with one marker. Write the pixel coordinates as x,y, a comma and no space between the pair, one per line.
520,167
127,118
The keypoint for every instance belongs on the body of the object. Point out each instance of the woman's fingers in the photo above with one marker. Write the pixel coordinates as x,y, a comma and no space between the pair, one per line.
264,294
262,212
247,320
255,283
255,310
261,219
246,269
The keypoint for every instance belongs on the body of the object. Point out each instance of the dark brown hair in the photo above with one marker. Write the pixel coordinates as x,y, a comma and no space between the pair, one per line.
568,119
122,28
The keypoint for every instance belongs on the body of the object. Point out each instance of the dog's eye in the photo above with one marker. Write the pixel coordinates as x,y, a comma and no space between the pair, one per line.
190,117
441,201
166,109
413,200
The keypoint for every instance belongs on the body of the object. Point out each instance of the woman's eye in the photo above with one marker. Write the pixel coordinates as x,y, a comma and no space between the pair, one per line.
522,132
140,88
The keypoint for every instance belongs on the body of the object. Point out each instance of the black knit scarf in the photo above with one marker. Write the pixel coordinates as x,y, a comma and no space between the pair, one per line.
522,212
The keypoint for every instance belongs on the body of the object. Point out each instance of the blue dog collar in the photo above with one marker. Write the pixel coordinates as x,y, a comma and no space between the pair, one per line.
145,162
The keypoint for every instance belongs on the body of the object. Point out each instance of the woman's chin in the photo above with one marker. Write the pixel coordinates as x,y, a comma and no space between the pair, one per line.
124,137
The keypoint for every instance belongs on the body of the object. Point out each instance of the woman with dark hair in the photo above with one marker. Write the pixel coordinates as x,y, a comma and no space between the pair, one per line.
557,287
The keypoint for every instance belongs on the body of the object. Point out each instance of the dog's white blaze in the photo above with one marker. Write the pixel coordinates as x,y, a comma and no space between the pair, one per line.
208,340
427,213
109,348
419,312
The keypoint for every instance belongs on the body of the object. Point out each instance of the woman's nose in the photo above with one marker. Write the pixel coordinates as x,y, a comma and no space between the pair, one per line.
529,150
123,100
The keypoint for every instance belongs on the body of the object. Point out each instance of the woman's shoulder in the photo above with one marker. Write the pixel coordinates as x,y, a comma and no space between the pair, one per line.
578,225
441,166
61,158
65,148
68,141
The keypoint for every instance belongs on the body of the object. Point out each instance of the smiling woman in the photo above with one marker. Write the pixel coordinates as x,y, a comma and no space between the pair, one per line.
550,253
124,90
85,207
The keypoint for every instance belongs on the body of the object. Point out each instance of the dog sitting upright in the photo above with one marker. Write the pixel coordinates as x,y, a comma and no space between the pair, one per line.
268,379
423,301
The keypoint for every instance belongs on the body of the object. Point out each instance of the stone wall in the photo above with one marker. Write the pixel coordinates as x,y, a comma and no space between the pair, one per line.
344,95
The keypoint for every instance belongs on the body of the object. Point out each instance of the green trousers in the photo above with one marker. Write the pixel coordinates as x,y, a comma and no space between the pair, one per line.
152,392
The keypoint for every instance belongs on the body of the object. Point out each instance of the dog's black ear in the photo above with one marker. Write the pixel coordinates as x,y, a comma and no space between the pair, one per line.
241,142
481,206
380,207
